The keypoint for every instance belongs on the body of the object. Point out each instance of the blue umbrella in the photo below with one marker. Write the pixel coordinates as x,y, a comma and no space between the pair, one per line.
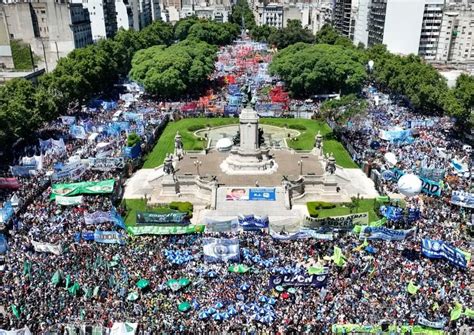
231,310
211,310
272,301
217,317
219,305
240,296
203,315
244,287
263,299
211,274
225,316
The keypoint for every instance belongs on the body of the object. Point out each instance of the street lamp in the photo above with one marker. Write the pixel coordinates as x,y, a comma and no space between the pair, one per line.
300,164
197,164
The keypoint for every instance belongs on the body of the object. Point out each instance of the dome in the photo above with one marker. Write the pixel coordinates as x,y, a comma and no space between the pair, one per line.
224,144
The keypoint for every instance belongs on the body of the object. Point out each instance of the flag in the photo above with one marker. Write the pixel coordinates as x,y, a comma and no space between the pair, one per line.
96,291
56,278
83,314
239,268
362,246
338,257
26,268
316,270
74,288
456,311
15,311
68,280
142,283
466,254
378,223
412,288
469,313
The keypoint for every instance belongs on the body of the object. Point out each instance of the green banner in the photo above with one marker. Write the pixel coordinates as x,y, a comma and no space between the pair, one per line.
375,329
157,230
86,187
162,218
68,201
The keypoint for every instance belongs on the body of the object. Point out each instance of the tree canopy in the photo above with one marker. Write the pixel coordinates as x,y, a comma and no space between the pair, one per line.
293,33
316,69
172,71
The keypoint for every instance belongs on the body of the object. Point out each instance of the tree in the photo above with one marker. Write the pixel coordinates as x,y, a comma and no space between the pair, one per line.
181,28
213,32
242,15
170,72
327,35
293,33
464,91
262,33
321,68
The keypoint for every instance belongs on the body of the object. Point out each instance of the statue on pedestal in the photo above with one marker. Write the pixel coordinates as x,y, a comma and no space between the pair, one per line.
331,164
178,146
168,167
318,140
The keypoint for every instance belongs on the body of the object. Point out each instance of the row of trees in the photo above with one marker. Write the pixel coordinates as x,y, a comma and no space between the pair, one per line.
335,65
91,71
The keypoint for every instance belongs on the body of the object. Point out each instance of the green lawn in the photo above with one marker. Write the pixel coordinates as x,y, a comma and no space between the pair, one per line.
305,141
365,205
138,205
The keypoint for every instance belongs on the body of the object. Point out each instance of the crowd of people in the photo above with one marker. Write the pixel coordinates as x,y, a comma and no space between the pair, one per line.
97,284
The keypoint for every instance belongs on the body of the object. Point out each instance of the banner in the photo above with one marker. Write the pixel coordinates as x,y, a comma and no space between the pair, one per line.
377,329
151,218
252,222
68,201
397,136
97,217
47,247
22,331
344,222
161,230
108,237
23,170
106,164
252,194
221,249
302,234
429,186
214,226
71,171
298,280
463,199
77,132
441,249
9,183
67,120
6,212
382,233
86,187
432,324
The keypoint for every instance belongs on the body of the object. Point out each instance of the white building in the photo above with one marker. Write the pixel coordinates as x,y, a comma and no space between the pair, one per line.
361,29
271,14
216,12
456,36
124,14
405,26
103,17
52,28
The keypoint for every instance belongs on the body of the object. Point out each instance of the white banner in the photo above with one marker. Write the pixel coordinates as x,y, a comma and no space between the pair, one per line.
22,331
123,328
47,247
68,201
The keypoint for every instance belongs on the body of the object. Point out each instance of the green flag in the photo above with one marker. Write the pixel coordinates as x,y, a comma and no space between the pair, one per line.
316,270
469,313
412,288
357,228
68,281
456,311
26,267
56,278
238,268
142,283
74,288
83,314
183,282
15,311
378,223
338,257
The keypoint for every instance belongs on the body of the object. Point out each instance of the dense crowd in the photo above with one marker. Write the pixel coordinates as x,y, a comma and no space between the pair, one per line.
96,283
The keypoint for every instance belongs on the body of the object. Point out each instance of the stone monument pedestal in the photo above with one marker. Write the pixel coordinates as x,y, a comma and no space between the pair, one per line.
249,158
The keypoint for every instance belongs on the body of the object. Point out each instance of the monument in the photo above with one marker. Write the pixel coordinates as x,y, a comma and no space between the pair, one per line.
249,156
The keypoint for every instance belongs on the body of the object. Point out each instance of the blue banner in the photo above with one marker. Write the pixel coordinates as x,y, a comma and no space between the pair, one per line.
6,212
77,132
392,213
221,249
216,226
132,152
463,199
429,186
108,237
262,194
88,236
23,170
382,233
397,136
252,222
441,249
